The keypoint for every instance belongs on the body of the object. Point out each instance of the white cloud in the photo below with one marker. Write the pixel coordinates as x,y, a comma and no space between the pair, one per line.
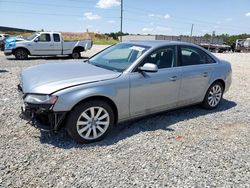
247,14
108,3
91,16
147,29
229,19
156,30
166,16
111,21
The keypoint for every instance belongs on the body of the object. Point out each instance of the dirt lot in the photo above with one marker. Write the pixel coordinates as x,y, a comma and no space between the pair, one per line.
190,147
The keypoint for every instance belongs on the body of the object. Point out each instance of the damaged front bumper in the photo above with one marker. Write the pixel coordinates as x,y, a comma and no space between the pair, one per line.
41,116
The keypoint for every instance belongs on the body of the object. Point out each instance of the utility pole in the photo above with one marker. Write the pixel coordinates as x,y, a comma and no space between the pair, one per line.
211,40
121,20
191,33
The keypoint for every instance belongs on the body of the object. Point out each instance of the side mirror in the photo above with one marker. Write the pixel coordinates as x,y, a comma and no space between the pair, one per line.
148,67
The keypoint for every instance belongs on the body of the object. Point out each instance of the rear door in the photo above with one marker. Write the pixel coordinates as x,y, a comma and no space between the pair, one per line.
196,70
43,45
57,44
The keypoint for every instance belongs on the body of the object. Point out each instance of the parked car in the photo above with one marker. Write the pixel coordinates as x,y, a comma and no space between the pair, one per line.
45,44
2,42
239,45
123,82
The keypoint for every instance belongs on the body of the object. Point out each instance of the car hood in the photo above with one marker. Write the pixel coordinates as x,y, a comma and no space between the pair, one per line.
49,78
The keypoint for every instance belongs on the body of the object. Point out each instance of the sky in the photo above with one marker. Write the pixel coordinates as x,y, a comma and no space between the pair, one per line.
168,17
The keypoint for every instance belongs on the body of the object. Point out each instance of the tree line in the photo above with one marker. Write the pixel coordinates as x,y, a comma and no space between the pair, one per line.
228,39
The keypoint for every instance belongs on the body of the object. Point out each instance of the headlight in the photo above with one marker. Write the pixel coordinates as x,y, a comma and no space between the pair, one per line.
40,99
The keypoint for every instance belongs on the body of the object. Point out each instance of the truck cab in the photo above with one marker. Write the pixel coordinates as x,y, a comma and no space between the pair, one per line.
46,43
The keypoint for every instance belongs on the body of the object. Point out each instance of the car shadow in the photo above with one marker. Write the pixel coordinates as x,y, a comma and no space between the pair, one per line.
3,71
122,131
46,58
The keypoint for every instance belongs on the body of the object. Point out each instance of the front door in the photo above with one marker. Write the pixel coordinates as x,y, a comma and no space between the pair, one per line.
153,92
43,45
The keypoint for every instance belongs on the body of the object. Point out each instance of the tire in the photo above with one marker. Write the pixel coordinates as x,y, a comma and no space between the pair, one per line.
21,54
82,124
213,96
76,55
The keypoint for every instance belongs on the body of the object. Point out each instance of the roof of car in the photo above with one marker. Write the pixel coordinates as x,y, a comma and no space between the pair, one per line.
157,43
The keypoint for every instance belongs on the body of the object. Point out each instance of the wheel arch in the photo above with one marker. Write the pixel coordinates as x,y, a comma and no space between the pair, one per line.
220,81
102,98
23,49
78,49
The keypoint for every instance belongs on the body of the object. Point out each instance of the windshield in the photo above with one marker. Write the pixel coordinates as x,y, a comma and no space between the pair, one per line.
118,57
31,37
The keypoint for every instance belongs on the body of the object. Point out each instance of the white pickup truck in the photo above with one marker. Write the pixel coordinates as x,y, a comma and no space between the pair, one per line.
45,44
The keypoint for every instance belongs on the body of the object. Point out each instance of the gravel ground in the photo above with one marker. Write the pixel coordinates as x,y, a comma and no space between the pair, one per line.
190,147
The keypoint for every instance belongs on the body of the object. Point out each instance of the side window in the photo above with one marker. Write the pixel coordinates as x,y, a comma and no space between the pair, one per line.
44,38
56,37
163,58
194,56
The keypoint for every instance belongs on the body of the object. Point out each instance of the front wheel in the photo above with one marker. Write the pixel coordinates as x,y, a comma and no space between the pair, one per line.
76,55
213,96
21,54
90,122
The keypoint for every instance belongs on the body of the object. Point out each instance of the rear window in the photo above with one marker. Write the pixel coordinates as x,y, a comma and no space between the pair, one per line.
194,56
56,37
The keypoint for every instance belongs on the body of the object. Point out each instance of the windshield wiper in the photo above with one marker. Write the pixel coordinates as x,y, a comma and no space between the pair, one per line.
86,61
97,65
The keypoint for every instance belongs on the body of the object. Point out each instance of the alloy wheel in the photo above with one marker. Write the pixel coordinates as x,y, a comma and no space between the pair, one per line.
93,123
214,95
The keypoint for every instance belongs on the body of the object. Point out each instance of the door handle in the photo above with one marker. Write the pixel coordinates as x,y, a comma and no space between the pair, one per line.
205,74
173,78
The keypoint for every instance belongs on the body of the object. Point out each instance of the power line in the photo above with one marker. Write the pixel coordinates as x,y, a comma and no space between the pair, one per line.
52,5
51,14
137,10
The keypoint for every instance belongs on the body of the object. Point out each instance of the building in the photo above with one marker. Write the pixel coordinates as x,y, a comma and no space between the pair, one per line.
195,40
12,29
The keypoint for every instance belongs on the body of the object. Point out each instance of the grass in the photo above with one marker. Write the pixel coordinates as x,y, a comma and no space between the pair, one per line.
105,42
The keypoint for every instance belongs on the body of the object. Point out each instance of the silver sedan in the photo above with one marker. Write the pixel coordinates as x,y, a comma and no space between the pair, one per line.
123,82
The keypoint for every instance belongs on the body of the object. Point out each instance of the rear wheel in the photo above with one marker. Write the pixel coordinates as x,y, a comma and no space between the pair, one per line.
76,55
21,54
90,122
213,96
